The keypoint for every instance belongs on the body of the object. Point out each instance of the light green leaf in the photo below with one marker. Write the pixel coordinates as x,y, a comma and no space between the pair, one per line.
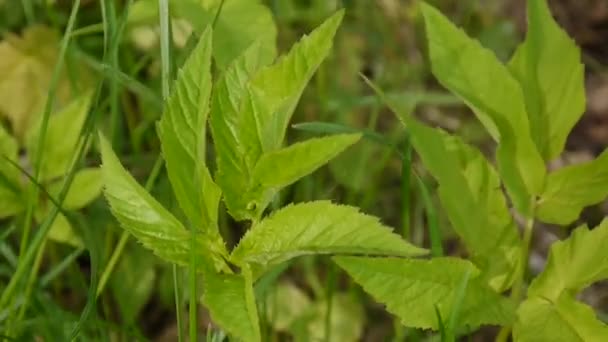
411,289
182,131
318,227
259,113
85,187
63,132
565,320
553,87
469,189
10,188
283,167
285,304
62,231
570,189
473,73
226,122
133,282
574,263
231,303
147,220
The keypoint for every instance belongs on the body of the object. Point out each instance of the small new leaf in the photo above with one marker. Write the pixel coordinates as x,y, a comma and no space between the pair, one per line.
318,227
574,263
570,189
412,289
565,320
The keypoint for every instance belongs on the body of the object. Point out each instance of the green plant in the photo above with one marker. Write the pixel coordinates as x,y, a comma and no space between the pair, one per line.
528,106
250,104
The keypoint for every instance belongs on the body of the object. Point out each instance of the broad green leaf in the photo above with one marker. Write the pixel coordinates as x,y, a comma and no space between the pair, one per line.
318,227
411,289
259,112
226,122
231,303
553,87
574,263
473,73
283,167
63,132
10,187
182,132
26,65
147,220
564,320
469,189
85,187
570,189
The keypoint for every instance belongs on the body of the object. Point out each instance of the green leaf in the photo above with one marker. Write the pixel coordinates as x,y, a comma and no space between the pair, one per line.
318,227
473,73
570,189
231,303
564,320
182,131
411,289
147,220
256,114
574,263
553,87
63,132
85,187
283,167
469,189
62,231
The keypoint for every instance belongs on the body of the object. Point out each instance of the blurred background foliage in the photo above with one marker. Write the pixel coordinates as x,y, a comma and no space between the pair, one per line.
382,39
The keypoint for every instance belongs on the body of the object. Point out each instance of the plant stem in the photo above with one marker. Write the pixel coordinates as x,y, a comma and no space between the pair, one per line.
518,284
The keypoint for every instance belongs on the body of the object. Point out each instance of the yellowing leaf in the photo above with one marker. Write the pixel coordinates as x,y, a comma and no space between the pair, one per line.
553,87
26,66
318,227
411,289
566,320
574,263
11,201
182,132
570,189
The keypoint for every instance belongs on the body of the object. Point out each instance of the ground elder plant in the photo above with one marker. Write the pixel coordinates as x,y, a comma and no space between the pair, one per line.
249,106
528,105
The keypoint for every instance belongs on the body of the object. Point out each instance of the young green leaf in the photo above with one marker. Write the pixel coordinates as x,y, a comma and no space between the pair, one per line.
411,289
570,189
62,135
473,73
226,122
283,167
564,320
257,121
231,303
574,263
553,87
469,189
145,218
182,132
318,227
85,187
